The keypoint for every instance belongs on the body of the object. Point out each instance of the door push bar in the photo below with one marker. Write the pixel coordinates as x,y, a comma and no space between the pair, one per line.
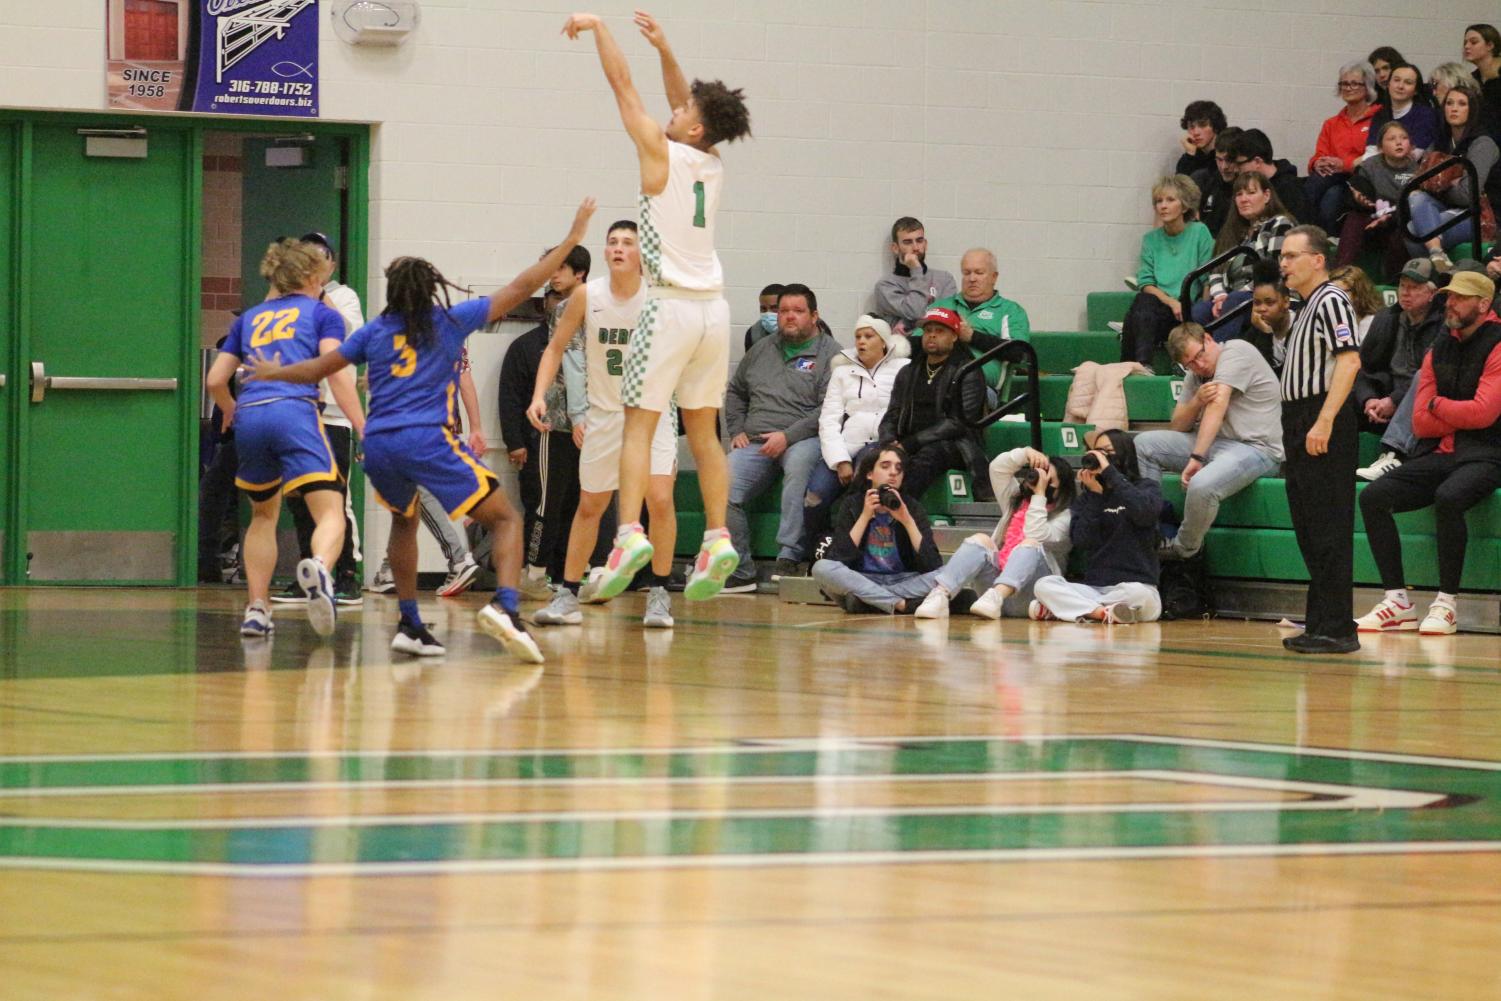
41,382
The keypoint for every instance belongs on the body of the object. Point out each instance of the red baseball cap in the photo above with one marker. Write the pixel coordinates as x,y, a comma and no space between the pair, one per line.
942,317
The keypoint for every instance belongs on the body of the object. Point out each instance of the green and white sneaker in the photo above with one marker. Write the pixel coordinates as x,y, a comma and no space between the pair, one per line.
717,559
631,552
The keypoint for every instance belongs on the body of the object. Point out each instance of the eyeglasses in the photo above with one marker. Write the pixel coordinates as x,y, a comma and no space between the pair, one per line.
1198,356
1351,84
1288,255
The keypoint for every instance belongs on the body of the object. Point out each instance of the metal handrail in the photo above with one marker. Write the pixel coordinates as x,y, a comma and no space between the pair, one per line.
1404,211
1031,400
1185,294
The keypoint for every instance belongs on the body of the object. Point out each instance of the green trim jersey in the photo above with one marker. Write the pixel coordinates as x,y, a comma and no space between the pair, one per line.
608,325
677,226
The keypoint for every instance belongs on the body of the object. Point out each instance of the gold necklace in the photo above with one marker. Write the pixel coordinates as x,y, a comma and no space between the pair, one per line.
932,372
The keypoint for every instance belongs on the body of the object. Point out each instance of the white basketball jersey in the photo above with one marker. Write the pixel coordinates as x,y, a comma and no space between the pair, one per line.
677,226
608,324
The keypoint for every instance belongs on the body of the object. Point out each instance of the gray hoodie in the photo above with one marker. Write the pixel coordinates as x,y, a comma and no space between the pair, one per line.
770,393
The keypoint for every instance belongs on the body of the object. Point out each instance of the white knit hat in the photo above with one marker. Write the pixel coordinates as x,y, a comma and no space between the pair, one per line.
896,344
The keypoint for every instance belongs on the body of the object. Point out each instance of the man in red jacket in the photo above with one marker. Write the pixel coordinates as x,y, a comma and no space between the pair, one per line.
1457,462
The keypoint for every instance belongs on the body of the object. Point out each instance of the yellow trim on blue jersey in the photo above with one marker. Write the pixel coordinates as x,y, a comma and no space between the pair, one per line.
486,479
333,467
257,486
409,512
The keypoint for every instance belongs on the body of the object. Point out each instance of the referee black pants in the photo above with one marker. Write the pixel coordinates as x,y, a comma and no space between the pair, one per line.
1321,496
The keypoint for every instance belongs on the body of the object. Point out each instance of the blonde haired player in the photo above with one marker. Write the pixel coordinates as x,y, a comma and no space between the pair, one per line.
682,343
605,312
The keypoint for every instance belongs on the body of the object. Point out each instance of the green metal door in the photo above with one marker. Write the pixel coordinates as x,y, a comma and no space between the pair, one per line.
8,313
109,348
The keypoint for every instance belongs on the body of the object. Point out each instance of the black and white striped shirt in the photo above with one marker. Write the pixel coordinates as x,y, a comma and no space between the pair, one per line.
1324,327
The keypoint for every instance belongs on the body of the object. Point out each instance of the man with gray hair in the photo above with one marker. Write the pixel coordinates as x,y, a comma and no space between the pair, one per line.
981,307
1226,429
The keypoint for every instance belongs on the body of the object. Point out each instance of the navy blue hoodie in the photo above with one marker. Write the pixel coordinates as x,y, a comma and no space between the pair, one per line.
1117,530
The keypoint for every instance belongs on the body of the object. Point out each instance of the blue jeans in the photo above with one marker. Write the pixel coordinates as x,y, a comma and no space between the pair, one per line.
1428,212
1326,198
751,475
973,566
1399,436
1203,312
1231,467
878,590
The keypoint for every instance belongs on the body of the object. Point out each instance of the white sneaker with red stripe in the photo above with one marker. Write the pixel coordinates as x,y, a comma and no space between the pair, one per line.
1440,621
1038,612
1388,617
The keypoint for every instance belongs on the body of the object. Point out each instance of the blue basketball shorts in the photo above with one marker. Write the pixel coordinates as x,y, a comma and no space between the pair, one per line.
281,446
401,459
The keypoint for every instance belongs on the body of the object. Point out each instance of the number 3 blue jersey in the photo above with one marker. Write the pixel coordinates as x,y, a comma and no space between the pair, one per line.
411,386
292,327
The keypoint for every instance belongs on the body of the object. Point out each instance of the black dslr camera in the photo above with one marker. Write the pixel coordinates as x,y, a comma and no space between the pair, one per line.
888,497
1027,477
1090,461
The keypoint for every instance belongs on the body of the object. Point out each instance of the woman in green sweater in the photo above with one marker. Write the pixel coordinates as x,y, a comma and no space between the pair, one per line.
1176,246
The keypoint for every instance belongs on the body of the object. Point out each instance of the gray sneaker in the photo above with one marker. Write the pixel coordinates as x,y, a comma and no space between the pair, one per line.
658,609
384,582
563,610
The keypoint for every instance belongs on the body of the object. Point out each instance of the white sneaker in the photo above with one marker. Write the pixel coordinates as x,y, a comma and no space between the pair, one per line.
535,588
257,621
1440,621
384,582
1120,613
1117,326
1388,617
1384,464
658,609
934,606
459,578
415,640
1038,612
563,610
988,605
313,578
510,632
589,590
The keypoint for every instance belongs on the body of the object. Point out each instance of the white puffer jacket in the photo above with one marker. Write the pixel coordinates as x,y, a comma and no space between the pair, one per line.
855,402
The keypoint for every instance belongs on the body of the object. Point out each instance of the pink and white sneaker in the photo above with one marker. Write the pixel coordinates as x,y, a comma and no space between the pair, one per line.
631,552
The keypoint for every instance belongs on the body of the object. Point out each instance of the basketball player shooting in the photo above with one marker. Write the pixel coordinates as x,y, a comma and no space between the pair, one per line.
681,344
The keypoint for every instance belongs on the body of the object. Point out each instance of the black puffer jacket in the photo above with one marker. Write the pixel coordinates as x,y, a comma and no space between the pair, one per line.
955,397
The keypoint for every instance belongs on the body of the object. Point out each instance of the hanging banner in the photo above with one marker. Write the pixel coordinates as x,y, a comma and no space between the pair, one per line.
223,57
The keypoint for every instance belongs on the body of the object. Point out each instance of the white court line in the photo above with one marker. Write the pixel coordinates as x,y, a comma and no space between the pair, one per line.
459,867
763,745
1343,798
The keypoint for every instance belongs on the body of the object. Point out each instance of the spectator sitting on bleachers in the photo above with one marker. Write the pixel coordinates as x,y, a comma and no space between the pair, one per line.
1216,196
1226,430
1390,355
1169,252
883,544
938,440
981,308
1408,105
1364,295
771,415
1259,222
1114,524
1462,136
1029,542
1375,191
766,322
903,296
858,394
1341,145
1271,315
1252,150
1202,122
1444,78
1457,415
1482,47
1383,60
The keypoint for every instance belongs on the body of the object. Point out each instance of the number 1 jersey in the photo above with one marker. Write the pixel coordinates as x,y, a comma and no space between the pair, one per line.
677,226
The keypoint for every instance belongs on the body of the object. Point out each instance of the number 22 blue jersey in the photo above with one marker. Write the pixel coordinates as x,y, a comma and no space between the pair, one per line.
292,326
409,386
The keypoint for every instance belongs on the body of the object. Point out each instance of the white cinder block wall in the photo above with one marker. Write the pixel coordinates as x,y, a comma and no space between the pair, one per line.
1033,127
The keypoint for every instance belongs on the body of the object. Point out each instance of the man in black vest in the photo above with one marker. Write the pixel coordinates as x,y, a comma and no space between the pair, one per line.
1457,461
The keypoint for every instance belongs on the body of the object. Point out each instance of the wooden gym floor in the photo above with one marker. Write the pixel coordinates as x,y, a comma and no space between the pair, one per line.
770,802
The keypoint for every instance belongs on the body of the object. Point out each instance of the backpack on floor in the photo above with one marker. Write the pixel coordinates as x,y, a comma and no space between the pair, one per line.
1185,589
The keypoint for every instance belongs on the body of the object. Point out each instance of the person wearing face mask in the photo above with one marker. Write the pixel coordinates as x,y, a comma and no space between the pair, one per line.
766,323
1226,430
1030,541
859,392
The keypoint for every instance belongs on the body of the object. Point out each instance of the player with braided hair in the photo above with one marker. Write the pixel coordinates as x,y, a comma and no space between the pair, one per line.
413,349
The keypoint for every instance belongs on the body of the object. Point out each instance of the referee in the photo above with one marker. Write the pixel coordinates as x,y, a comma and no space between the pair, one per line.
1319,437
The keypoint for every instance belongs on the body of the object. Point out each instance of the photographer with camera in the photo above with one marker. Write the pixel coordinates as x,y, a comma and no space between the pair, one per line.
883,552
1029,542
1115,525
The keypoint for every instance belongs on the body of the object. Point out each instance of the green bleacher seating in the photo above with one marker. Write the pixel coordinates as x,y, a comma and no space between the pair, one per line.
1102,308
1060,352
1058,438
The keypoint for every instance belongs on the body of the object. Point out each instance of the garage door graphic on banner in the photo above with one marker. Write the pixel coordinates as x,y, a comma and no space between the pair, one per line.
249,57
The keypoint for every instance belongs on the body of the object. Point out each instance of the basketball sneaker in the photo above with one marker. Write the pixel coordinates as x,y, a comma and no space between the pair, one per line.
658,609
1388,617
385,581
717,559
1440,621
632,551
459,578
416,640
289,595
589,591
257,621
510,632
563,610
313,577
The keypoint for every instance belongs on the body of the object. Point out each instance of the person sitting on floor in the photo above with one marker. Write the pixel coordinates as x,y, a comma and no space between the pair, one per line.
1115,525
1457,414
883,544
1030,541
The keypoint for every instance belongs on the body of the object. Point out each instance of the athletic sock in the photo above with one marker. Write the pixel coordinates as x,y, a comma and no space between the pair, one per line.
509,600
409,612
715,534
1399,595
654,579
627,529
572,586
1445,599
